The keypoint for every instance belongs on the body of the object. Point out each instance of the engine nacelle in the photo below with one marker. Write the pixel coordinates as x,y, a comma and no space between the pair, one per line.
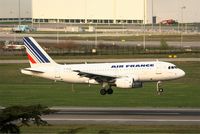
92,81
127,83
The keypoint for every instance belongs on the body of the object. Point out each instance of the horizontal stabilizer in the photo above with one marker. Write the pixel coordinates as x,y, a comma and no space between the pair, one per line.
33,70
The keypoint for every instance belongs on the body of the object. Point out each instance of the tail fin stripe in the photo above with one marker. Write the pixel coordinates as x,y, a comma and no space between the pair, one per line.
36,54
30,54
37,50
33,52
31,59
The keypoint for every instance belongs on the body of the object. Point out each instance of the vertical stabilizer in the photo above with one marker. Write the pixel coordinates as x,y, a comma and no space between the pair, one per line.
36,55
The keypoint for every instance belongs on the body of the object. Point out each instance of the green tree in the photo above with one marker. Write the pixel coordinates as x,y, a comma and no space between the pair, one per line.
12,118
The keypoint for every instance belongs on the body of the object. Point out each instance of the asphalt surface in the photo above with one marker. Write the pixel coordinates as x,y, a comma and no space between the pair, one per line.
50,38
103,60
129,116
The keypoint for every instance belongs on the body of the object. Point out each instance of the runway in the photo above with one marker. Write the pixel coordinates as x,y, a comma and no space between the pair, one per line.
127,116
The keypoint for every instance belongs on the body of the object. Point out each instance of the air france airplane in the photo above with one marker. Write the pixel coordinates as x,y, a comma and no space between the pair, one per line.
121,75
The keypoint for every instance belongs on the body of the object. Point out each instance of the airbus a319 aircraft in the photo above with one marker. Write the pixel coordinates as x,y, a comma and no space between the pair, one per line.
121,75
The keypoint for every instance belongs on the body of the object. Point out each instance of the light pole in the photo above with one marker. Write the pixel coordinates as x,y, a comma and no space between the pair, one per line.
152,10
123,27
96,36
19,4
86,16
57,39
114,11
11,12
144,27
182,8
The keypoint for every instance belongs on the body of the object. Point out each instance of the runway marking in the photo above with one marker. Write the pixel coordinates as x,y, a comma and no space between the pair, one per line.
123,120
117,113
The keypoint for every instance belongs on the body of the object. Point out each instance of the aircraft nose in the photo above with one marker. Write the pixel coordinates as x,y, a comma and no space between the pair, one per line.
181,73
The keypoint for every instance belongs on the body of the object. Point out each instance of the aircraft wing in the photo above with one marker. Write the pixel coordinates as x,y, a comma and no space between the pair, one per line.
98,77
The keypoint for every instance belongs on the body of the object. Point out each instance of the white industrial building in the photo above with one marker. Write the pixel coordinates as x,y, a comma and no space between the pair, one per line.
99,11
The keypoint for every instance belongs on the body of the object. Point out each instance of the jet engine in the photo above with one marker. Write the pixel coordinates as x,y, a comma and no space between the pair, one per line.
127,83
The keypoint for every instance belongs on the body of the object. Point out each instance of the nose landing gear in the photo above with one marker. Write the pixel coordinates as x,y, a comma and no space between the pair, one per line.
160,90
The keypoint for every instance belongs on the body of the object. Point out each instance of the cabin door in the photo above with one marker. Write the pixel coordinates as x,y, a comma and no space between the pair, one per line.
158,68
57,73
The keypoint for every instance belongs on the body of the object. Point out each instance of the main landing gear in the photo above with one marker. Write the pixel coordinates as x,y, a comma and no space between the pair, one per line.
160,90
105,90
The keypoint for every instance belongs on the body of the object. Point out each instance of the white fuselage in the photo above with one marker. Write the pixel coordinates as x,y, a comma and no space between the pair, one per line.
139,71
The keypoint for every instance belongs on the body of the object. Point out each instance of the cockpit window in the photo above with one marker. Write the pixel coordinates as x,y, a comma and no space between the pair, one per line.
172,67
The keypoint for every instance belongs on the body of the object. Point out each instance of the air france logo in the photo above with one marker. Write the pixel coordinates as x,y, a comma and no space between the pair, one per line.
132,65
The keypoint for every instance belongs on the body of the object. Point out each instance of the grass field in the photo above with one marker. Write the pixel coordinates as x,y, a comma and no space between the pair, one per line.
18,89
111,129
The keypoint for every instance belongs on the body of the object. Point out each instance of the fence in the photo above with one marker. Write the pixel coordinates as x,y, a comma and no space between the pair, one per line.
87,50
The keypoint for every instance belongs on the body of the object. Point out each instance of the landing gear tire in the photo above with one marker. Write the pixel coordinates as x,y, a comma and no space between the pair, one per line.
161,90
103,91
110,91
